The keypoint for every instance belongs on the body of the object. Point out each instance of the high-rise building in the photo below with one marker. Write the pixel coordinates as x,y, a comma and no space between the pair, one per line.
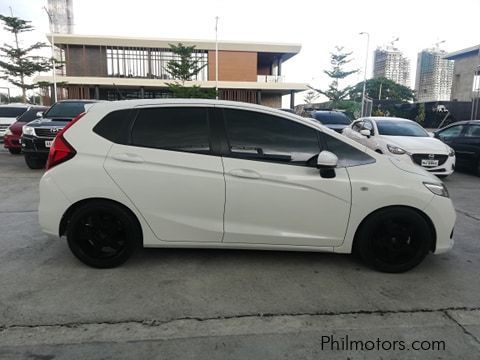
390,63
434,76
61,16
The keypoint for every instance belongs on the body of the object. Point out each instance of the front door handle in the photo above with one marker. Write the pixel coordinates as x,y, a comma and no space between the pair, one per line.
245,173
126,157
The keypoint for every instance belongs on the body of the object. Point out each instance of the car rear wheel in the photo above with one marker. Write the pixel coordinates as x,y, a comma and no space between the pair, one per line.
34,162
394,240
15,151
102,234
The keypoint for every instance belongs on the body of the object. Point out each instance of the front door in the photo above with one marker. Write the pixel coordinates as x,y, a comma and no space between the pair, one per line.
273,196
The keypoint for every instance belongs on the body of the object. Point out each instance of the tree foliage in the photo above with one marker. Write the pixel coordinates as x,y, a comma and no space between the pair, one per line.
338,60
310,96
390,90
17,63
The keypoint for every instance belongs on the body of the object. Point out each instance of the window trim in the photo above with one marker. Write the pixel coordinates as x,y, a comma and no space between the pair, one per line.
468,126
225,141
210,116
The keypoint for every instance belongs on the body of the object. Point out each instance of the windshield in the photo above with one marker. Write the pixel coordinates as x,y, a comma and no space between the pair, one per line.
31,114
65,110
400,128
11,112
332,118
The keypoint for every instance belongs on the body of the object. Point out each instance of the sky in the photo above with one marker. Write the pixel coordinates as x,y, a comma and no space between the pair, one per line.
318,26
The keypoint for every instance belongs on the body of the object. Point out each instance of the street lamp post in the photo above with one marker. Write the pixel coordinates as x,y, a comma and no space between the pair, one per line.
365,71
8,92
53,55
216,57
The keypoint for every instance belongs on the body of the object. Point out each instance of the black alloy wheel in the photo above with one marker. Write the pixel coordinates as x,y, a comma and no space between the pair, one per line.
102,234
34,162
394,239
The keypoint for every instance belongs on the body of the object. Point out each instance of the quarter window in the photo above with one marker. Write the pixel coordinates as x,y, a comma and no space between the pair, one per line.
178,129
473,131
259,136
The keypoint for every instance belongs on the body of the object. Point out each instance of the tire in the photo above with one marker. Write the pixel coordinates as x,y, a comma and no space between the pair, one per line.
14,151
34,162
103,234
394,240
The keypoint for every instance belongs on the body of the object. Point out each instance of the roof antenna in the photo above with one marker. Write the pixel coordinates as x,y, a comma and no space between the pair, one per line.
119,93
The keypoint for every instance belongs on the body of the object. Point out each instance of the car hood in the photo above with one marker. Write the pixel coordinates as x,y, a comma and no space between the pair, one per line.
16,127
410,167
413,144
57,122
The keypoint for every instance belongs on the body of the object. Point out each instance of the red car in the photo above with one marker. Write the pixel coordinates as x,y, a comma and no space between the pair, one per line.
11,140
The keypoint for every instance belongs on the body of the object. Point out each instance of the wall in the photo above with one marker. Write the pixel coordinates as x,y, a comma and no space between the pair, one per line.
233,66
271,100
463,78
85,61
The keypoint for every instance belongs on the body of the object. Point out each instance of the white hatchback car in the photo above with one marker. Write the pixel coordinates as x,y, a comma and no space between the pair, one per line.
405,139
218,174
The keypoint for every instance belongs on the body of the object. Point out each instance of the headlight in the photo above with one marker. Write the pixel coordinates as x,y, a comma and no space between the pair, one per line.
28,130
451,152
8,132
437,189
396,150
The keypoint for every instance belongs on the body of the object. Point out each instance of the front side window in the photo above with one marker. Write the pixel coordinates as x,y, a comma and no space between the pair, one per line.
357,126
175,128
264,137
452,131
347,155
473,131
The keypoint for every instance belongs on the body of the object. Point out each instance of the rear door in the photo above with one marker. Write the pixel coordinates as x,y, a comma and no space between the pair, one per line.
274,196
168,170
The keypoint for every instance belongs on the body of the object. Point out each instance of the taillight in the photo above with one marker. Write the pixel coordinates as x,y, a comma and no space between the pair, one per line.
61,150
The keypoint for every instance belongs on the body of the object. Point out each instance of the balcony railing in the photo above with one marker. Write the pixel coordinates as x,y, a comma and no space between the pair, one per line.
270,78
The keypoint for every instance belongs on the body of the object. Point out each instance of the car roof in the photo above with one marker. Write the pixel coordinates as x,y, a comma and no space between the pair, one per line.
16,105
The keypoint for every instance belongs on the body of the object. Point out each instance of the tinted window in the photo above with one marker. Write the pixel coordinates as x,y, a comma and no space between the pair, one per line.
334,118
264,137
181,129
473,131
451,131
31,114
347,155
400,128
65,109
11,112
115,126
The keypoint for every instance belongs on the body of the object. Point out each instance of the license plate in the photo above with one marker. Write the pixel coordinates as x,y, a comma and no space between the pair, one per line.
48,144
429,162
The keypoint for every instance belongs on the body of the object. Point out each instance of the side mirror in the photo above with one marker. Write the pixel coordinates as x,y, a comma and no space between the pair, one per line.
366,132
327,160
39,114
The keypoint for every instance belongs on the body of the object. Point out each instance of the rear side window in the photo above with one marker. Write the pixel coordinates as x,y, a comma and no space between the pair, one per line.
115,126
347,155
258,136
177,129
452,131
473,131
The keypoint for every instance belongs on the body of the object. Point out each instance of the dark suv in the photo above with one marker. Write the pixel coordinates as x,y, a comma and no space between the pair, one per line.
38,135
335,120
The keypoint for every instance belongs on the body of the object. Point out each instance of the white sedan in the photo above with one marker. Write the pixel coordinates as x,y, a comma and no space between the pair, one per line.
405,139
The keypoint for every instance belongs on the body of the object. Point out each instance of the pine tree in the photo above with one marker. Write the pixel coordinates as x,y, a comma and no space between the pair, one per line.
19,63
185,69
338,59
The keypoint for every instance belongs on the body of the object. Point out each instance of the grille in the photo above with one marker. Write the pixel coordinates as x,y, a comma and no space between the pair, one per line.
417,158
45,132
4,126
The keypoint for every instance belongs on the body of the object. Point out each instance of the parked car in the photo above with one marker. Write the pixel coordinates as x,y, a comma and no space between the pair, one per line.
220,174
38,135
335,120
464,138
12,139
404,139
9,114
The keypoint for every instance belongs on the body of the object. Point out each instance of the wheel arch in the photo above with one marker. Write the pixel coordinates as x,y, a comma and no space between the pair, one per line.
418,211
71,210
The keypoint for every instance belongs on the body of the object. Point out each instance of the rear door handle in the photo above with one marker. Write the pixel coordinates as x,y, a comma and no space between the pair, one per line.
245,173
125,157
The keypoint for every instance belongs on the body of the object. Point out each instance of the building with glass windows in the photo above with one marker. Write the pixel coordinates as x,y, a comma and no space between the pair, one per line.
111,68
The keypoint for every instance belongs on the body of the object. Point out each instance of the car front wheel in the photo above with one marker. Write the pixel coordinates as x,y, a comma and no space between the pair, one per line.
394,240
103,234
